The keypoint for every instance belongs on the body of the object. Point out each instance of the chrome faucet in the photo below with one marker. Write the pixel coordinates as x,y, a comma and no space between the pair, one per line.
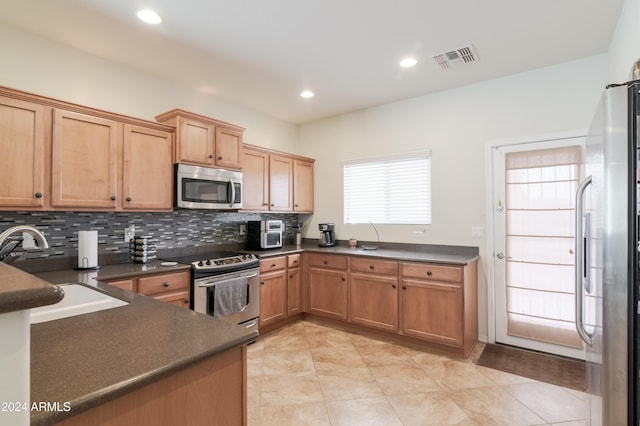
40,239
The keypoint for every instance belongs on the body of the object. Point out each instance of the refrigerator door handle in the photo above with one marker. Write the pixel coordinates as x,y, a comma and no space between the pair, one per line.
579,254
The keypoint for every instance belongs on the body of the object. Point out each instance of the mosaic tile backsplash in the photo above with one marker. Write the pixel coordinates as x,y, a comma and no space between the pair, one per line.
177,229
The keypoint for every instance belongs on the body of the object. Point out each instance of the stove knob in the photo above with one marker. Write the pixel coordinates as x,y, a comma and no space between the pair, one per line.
244,257
218,262
200,263
208,263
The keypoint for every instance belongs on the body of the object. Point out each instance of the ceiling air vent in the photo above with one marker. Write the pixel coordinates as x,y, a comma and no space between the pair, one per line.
462,56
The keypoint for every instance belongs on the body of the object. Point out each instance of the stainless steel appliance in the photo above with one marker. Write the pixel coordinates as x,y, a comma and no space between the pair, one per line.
327,235
207,188
607,270
225,285
264,234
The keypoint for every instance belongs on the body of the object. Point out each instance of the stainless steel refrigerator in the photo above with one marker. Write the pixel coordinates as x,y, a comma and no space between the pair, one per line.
606,253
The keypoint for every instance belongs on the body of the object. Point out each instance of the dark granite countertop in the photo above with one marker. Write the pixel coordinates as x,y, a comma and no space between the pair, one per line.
20,290
451,255
87,360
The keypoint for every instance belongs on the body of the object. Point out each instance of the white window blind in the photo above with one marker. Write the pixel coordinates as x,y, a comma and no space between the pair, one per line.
540,199
391,190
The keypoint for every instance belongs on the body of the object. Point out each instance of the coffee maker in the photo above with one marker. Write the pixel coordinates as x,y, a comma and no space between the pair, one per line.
327,235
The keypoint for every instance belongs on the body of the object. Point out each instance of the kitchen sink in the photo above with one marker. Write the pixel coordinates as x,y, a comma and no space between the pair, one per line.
78,300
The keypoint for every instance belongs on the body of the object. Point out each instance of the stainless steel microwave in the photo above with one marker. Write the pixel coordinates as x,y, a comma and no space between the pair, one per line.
207,188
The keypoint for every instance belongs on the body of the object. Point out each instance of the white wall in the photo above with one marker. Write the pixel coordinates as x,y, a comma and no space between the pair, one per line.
455,125
38,65
625,43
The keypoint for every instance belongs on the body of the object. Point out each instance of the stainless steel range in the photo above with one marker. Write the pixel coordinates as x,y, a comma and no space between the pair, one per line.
225,285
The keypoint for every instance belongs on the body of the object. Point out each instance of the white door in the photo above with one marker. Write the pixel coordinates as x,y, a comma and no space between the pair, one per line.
534,186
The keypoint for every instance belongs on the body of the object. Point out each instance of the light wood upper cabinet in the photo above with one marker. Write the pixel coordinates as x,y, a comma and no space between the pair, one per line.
195,142
84,158
280,183
255,180
277,181
204,141
303,186
228,148
22,163
62,156
147,176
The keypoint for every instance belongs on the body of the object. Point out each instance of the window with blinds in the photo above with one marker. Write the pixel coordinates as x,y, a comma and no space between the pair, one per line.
388,190
540,199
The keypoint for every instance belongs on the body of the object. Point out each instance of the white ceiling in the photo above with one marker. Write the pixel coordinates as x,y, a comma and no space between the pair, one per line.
263,53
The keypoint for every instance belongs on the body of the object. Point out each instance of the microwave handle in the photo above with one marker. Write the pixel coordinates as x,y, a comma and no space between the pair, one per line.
233,192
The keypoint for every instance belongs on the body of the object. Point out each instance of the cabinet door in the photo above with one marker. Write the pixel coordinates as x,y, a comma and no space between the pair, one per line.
432,311
22,144
328,293
228,148
294,291
374,301
180,299
84,161
147,176
195,142
302,186
280,183
273,297
255,181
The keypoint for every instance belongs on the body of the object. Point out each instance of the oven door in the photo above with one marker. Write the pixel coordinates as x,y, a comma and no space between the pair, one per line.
233,296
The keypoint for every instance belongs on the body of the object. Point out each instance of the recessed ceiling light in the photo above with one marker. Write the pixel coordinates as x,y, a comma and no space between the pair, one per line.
408,62
149,16
307,94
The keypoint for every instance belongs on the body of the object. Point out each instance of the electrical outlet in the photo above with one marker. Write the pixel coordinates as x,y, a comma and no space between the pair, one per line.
477,232
418,234
243,229
129,233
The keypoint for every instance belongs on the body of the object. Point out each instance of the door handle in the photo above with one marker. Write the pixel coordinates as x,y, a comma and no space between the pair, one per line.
580,262
502,256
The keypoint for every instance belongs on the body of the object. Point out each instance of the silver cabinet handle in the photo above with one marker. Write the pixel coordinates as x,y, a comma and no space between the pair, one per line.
579,262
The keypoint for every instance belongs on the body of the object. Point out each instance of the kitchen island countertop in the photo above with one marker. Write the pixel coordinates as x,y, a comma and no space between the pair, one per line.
84,361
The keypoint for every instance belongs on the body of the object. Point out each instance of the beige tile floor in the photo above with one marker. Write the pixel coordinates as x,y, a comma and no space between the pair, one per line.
311,374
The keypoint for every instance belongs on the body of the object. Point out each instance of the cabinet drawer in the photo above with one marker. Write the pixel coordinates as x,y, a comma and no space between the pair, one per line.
273,264
163,283
331,261
430,272
180,299
365,265
294,260
123,284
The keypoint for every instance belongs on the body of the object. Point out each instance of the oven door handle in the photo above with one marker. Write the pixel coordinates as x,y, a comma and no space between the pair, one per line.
251,324
212,283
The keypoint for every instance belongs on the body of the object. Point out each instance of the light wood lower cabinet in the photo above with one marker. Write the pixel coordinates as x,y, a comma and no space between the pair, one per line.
431,302
273,290
294,284
211,392
439,303
172,288
327,286
280,290
373,286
